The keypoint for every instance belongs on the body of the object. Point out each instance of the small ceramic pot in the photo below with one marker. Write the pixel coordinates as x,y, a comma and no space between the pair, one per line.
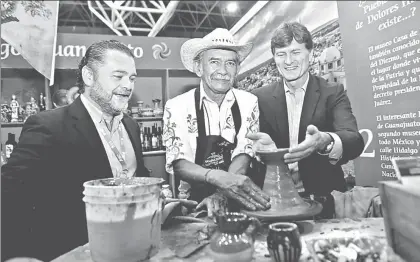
283,242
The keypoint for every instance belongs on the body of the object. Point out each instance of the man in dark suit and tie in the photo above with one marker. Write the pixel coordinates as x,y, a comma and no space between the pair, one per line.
308,115
43,215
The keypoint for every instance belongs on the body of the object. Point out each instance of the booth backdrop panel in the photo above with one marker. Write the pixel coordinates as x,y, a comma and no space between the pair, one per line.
180,85
146,89
150,52
64,79
381,47
260,28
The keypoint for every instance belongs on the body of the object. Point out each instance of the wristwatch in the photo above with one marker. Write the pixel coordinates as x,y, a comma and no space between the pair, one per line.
327,150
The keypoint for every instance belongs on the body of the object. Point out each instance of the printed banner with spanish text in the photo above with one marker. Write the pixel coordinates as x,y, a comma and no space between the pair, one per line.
381,43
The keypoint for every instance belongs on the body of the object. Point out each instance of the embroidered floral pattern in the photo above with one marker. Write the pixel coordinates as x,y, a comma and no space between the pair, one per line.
229,122
170,140
253,120
192,124
253,127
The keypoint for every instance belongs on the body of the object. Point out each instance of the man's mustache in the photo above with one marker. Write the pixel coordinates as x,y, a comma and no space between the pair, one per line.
226,78
123,91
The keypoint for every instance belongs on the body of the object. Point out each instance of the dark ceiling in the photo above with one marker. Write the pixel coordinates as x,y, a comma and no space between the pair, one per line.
191,18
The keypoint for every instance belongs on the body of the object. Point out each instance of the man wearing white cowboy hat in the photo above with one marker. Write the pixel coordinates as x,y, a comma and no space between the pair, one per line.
205,128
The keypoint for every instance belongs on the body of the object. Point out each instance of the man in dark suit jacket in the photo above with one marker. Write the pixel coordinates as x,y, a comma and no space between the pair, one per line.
43,215
310,116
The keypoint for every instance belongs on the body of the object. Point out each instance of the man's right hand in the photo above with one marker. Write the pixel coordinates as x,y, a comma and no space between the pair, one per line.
239,188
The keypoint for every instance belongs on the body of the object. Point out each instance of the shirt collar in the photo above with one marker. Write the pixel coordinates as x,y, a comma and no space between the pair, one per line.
230,96
95,113
304,87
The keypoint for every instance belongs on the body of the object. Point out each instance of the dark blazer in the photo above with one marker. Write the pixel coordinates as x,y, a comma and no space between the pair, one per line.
43,214
326,106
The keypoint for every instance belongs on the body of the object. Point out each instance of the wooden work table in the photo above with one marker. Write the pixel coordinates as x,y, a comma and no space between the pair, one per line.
182,233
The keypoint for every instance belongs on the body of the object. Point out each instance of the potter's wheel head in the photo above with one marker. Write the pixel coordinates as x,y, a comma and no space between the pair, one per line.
270,156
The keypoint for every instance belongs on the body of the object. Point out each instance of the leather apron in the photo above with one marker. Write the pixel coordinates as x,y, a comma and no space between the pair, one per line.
213,152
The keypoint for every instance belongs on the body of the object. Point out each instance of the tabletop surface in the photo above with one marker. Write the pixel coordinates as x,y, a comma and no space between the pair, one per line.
181,234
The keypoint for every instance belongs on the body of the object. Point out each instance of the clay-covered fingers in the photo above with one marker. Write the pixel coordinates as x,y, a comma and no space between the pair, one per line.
259,192
201,205
219,205
243,194
250,198
245,203
262,203
258,195
215,204
242,201
255,195
211,207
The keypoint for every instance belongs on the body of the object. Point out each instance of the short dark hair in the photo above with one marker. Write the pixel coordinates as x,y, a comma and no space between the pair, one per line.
60,97
288,31
95,55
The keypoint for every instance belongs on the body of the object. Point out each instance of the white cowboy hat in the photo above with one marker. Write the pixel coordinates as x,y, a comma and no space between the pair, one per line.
220,38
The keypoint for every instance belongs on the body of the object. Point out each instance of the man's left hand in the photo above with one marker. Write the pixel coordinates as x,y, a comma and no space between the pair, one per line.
262,142
216,203
314,140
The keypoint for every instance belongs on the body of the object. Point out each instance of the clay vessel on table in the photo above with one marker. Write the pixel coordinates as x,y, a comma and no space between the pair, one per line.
286,203
283,242
278,182
234,238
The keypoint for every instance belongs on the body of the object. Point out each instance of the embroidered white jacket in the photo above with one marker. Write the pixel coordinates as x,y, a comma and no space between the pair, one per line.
180,124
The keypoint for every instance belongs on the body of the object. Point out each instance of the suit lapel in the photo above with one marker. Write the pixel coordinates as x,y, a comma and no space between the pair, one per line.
84,124
131,128
312,95
280,108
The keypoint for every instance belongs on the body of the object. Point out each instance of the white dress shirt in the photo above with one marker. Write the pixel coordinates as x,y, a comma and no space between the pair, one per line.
100,121
218,120
295,99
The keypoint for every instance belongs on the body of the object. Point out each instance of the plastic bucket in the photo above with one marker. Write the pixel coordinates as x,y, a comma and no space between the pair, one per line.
123,220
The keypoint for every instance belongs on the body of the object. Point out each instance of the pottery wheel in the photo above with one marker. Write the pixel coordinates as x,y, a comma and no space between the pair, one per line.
306,210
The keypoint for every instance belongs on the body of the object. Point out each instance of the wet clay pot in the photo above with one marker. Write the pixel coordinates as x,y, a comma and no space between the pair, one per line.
234,238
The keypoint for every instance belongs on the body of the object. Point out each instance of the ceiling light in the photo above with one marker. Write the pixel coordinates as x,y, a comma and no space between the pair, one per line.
232,7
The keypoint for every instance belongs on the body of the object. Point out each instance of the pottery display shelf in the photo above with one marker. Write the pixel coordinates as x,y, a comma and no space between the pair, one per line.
286,203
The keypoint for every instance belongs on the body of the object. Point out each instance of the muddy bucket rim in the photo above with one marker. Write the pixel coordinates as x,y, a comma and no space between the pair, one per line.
153,181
